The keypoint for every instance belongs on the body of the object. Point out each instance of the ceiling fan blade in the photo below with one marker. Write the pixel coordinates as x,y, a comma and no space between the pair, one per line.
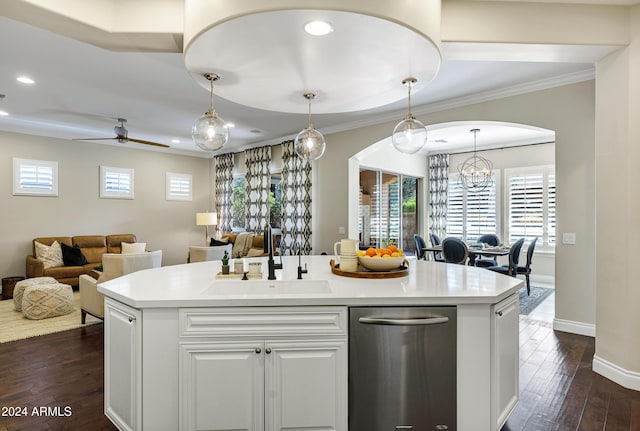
92,139
140,141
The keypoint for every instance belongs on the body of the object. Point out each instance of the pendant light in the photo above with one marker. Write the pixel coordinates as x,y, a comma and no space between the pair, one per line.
410,135
475,172
309,144
210,132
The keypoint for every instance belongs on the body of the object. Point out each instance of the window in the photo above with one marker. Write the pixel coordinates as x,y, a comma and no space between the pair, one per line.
388,209
35,177
179,187
275,200
116,183
472,214
532,204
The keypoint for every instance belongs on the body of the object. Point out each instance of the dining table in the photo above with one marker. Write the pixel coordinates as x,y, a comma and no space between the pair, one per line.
474,252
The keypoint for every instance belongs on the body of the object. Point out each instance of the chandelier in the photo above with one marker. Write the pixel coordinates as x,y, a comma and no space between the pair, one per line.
475,172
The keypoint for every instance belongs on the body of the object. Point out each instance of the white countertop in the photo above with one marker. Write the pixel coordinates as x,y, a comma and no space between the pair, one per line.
195,285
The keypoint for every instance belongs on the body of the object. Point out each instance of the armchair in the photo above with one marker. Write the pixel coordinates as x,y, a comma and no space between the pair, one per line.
114,266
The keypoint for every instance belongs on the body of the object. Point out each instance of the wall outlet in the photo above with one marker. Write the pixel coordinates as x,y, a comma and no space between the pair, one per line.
569,238
341,230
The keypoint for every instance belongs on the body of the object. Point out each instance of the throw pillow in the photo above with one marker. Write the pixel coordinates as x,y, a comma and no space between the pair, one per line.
72,256
51,255
135,247
215,242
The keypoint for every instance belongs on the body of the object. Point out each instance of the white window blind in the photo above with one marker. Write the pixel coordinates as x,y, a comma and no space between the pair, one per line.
116,183
531,204
35,177
471,214
178,187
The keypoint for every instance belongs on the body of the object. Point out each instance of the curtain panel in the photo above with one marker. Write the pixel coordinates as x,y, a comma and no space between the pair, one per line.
438,193
296,201
258,177
224,190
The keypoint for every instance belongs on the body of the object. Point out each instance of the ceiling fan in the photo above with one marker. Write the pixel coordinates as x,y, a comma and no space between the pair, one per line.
121,136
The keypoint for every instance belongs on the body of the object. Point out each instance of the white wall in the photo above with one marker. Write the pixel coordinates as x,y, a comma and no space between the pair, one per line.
78,210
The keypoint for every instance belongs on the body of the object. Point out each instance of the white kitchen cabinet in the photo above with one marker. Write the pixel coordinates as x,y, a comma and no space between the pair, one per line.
122,365
504,359
287,376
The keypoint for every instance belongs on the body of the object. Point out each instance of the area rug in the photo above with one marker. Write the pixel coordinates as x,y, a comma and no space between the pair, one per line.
13,326
529,303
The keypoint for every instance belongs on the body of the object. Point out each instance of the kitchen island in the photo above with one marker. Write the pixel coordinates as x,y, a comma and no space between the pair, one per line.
185,350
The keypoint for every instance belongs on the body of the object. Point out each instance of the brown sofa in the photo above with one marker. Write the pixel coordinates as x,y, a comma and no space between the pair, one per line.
92,247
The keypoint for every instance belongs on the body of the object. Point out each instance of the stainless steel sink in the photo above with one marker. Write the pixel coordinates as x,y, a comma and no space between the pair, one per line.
268,287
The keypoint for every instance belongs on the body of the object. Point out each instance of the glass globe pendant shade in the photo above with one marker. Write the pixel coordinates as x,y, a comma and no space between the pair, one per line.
210,132
309,144
409,136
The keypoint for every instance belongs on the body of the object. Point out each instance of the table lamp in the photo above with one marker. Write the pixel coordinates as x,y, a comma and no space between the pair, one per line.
206,219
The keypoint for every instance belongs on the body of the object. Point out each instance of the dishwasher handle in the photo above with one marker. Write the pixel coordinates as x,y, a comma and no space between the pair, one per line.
421,321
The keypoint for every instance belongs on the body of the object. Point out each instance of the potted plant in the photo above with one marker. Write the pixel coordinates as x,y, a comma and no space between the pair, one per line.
225,263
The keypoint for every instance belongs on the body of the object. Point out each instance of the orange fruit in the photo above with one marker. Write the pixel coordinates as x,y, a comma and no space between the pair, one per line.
371,252
392,248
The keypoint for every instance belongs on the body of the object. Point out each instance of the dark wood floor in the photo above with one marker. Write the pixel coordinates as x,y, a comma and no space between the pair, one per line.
55,371
558,389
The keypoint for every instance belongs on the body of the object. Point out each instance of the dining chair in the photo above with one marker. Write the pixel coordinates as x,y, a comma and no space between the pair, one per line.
526,269
492,240
420,246
514,257
454,250
435,240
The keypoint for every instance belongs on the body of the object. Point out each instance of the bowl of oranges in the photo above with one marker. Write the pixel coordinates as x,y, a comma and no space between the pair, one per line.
381,259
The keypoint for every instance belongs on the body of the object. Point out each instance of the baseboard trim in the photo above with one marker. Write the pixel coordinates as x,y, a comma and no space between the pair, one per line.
626,378
579,328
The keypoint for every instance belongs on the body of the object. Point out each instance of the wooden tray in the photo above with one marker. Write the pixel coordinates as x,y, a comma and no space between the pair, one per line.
362,272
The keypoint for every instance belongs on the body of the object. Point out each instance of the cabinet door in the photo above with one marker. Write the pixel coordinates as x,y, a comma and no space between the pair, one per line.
122,365
505,359
306,385
222,386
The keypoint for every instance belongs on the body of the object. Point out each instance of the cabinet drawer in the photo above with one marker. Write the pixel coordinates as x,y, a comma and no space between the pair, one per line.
265,322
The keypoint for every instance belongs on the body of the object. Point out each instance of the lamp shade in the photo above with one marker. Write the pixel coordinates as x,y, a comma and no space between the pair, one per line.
206,219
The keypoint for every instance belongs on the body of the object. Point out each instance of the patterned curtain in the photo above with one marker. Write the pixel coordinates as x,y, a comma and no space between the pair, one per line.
296,201
258,179
438,190
224,191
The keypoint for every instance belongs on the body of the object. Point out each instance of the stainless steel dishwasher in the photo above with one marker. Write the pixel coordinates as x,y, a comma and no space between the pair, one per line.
402,368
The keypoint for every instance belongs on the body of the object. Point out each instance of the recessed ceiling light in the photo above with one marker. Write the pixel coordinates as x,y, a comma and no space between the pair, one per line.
230,125
3,113
175,141
318,28
25,80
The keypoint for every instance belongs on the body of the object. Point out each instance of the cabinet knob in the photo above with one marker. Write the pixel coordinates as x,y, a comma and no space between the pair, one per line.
499,313
131,319
267,350
258,350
